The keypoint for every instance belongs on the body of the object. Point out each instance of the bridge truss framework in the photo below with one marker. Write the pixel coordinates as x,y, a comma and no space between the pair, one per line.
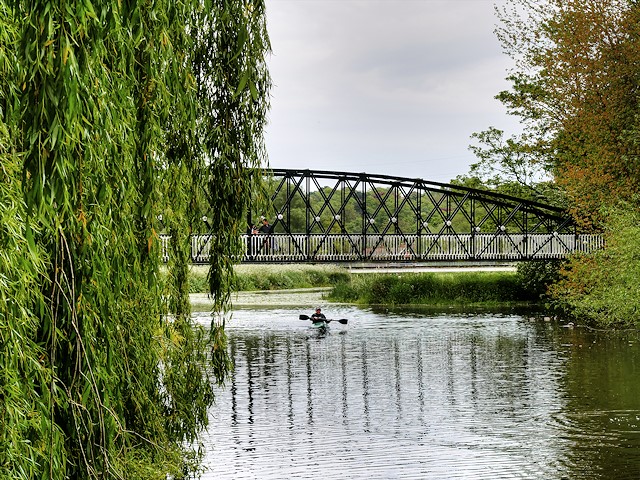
359,217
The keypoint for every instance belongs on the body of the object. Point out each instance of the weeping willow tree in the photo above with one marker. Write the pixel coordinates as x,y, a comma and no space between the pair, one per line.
114,115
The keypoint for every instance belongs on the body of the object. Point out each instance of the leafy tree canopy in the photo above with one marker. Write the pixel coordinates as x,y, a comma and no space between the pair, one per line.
574,87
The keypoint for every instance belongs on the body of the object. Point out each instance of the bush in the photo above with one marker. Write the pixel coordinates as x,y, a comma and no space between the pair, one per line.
603,287
536,277
346,292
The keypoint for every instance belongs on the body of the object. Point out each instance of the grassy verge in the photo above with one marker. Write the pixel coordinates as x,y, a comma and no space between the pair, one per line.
428,288
273,277
462,288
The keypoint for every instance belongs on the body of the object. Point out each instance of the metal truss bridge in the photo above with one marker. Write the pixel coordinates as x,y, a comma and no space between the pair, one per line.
330,217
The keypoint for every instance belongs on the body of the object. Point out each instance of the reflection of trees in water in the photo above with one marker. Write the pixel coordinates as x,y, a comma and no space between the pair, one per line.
602,394
345,376
365,384
496,390
464,374
289,357
309,384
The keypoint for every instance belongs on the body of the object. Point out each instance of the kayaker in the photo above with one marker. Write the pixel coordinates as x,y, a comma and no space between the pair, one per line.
318,315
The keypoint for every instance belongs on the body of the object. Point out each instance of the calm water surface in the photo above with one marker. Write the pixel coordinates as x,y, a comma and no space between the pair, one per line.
398,395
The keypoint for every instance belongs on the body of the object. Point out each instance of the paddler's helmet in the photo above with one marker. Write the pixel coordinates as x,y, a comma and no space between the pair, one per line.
318,309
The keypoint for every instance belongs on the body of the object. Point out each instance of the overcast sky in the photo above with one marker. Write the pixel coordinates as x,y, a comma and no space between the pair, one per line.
391,87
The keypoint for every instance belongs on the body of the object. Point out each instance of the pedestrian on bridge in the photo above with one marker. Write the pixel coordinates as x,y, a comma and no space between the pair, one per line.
251,243
265,229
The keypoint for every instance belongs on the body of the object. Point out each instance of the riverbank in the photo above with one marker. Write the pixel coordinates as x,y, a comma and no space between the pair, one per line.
267,277
309,285
303,297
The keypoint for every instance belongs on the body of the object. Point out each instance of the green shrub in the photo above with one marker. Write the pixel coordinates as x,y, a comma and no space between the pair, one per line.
198,283
380,288
409,288
536,277
603,287
336,276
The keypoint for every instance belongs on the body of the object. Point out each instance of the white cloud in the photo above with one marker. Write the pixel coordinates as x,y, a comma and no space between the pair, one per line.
382,86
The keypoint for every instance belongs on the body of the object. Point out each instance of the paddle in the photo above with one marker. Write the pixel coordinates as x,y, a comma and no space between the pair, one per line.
342,320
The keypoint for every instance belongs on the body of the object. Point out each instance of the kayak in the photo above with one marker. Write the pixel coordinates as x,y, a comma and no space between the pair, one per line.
320,325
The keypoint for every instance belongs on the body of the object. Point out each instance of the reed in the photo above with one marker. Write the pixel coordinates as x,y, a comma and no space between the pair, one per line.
273,277
432,288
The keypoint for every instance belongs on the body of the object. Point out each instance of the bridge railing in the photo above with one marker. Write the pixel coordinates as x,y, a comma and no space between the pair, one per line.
399,248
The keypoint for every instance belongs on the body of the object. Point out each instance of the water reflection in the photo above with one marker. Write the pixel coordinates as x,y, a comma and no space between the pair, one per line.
603,411
424,395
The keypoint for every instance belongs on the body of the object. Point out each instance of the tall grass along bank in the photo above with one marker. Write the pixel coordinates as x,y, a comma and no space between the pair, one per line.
527,285
433,289
273,277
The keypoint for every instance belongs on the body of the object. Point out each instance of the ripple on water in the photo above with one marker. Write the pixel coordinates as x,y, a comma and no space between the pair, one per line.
423,398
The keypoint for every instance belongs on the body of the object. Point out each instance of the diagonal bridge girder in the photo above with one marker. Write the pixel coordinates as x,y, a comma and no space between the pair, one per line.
360,216
484,206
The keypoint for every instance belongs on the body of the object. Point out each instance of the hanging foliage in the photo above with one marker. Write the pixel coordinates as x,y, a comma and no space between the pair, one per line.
231,82
103,110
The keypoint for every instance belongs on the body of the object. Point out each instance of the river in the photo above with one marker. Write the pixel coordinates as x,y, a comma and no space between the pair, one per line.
425,395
